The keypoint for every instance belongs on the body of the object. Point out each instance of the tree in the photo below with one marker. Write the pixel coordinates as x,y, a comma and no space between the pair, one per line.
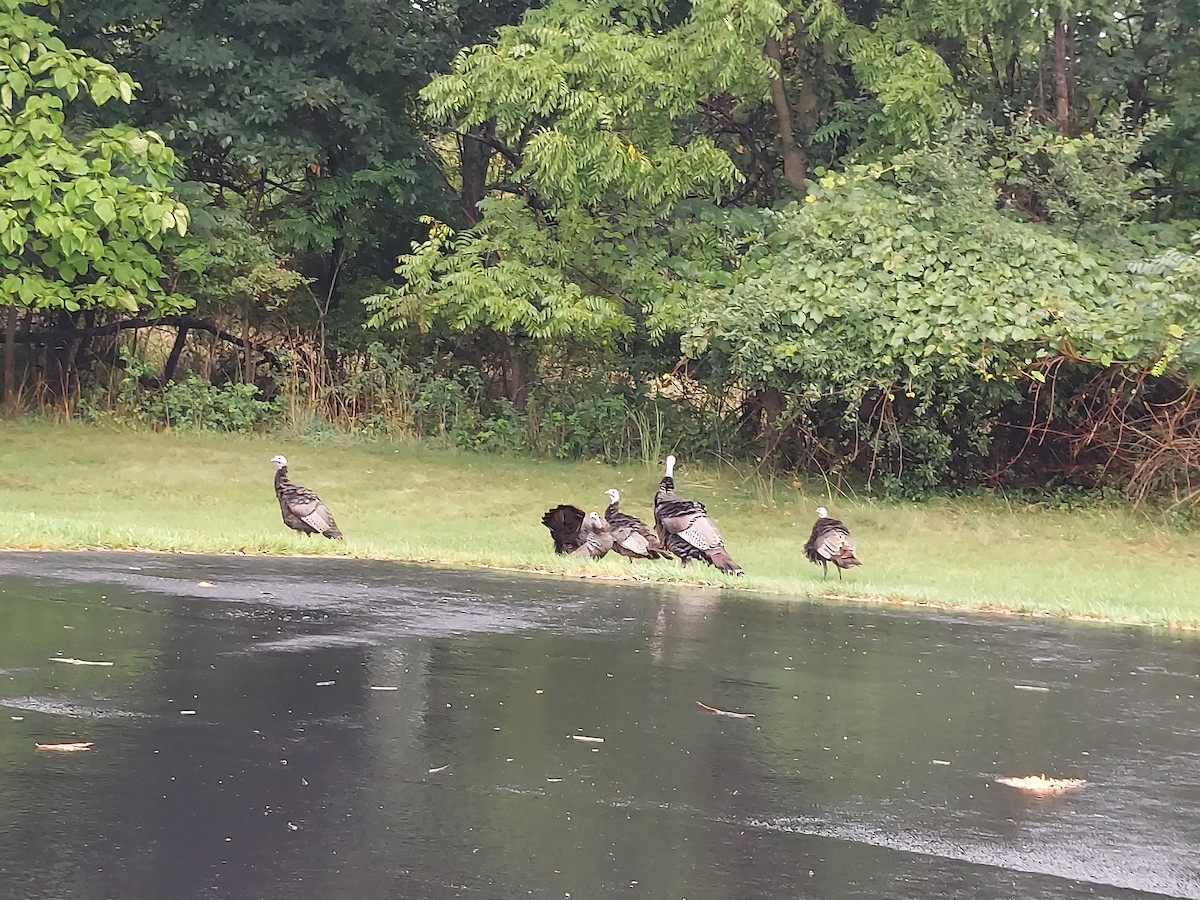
300,118
306,111
82,216
593,112
904,313
611,125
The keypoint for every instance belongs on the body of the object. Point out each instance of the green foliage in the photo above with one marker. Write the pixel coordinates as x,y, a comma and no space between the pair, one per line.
195,404
904,78
902,276
579,277
593,100
900,311
1087,185
592,426
299,117
224,261
1147,66
191,404
603,413
623,268
591,95
82,217
468,282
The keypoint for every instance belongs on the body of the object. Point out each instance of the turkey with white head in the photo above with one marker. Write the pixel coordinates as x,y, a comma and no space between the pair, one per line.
685,528
631,536
576,534
302,510
596,537
830,542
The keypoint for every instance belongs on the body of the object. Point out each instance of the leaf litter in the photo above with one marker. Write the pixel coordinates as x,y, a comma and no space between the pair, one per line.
66,746
723,712
1040,784
72,661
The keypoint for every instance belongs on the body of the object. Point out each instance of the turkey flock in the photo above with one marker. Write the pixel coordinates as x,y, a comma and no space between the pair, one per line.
682,528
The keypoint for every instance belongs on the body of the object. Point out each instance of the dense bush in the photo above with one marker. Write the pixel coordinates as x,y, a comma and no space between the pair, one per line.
907,320
192,403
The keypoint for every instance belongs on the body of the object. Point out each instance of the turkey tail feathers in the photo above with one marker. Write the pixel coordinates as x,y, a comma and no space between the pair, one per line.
830,542
322,523
847,560
633,538
685,529
564,522
724,561
301,508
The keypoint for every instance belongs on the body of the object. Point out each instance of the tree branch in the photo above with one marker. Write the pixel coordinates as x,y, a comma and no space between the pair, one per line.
189,322
499,146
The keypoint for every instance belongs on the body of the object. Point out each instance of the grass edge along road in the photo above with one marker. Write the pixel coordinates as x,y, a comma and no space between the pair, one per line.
84,487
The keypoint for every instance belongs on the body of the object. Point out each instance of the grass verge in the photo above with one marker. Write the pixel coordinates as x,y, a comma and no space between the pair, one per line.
75,487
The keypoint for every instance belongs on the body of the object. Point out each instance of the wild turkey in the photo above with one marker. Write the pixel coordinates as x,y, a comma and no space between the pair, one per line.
596,537
564,523
685,528
830,542
631,537
302,510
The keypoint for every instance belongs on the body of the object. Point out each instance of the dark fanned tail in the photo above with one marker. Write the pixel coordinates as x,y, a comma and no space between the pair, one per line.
564,522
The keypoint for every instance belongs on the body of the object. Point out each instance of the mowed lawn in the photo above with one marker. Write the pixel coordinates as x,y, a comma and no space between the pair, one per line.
77,486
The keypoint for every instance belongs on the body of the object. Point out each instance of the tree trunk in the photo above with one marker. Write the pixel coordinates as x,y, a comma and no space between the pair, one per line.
58,352
1139,99
1011,71
71,356
795,161
1062,97
326,290
10,362
176,352
247,358
474,157
760,417
80,359
516,372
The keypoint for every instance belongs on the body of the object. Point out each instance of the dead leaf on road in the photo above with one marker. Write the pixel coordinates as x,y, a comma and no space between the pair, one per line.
723,712
67,747
1040,784
72,661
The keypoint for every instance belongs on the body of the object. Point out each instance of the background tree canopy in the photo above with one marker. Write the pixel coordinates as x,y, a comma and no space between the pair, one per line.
923,244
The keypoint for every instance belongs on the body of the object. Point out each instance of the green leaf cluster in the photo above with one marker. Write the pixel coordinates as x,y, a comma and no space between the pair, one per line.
579,278
82,217
594,97
889,280
905,83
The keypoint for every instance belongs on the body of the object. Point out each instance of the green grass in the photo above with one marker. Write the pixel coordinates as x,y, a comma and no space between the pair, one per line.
73,486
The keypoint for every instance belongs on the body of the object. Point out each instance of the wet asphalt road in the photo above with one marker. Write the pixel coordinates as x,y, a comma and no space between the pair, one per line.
343,729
